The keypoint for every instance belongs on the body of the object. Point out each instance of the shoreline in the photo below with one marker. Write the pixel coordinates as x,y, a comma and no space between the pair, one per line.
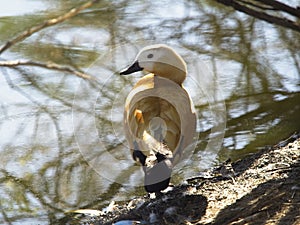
262,188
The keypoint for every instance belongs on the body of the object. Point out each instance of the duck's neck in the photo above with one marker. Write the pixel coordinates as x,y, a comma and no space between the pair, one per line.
170,72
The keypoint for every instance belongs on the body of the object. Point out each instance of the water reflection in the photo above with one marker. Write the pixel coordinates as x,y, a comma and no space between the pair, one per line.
43,171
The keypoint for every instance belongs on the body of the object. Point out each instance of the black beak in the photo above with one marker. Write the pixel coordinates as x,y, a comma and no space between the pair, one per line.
131,69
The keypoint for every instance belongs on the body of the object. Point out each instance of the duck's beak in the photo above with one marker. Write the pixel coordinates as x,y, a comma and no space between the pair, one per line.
131,69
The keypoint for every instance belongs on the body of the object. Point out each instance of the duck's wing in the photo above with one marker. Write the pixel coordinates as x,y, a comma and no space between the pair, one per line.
158,119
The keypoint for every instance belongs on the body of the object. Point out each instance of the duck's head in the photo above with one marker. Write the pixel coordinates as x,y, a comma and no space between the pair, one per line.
160,60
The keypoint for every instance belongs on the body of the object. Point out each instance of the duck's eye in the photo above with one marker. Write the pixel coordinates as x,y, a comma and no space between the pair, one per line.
150,56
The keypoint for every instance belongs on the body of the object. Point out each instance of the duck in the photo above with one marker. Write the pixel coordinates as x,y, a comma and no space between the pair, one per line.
159,115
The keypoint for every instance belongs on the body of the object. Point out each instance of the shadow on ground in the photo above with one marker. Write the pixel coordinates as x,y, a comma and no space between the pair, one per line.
275,201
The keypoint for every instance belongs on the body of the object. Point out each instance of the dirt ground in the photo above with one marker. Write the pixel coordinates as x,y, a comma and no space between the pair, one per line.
263,188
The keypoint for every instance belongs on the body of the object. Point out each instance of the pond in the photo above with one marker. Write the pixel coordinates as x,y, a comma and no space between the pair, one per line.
62,141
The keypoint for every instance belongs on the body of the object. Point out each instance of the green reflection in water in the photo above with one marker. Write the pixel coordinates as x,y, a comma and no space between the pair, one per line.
43,173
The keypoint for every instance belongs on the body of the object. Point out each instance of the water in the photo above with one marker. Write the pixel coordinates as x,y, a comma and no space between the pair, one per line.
62,143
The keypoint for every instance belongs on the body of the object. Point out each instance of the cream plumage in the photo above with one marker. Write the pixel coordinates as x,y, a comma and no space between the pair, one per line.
159,117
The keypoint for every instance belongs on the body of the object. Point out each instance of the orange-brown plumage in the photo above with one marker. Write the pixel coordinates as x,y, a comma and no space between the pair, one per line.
159,118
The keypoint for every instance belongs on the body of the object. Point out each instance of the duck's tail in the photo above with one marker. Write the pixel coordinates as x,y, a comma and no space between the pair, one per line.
152,152
157,165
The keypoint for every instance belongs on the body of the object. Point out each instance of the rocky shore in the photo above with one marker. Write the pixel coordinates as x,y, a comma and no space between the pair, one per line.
263,188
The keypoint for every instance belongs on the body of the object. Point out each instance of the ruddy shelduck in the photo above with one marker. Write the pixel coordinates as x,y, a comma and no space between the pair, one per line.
159,116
